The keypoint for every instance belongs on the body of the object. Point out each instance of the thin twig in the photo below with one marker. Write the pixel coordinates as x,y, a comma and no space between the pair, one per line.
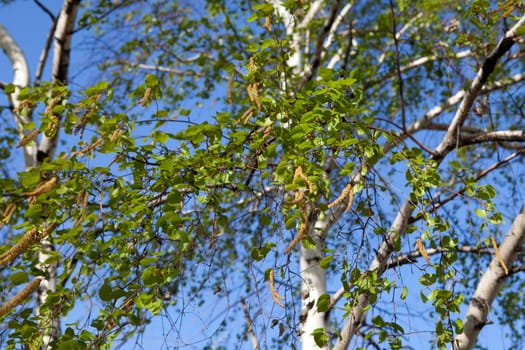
249,325
435,206
398,67
45,52
46,10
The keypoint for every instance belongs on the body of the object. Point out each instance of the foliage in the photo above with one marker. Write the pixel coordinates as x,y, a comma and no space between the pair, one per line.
200,154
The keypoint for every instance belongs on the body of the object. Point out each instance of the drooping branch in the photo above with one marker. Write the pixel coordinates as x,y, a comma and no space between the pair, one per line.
490,284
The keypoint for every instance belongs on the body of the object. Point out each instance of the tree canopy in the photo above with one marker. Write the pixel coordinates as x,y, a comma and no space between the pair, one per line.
273,174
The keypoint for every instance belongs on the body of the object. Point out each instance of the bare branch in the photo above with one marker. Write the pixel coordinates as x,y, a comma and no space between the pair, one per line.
46,10
408,258
433,113
249,325
398,35
493,136
488,66
419,62
444,127
398,68
45,53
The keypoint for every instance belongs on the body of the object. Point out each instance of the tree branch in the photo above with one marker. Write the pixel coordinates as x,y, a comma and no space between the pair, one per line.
20,80
433,113
398,68
488,66
493,136
45,53
408,258
249,325
46,10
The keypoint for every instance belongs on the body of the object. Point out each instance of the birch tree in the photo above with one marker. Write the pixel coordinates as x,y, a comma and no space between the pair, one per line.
328,174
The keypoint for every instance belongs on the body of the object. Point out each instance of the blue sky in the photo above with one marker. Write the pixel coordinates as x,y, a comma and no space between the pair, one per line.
29,26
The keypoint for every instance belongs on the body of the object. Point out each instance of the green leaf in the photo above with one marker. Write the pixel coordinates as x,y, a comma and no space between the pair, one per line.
520,31
308,243
105,292
378,321
320,337
19,277
404,293
323,303
29,178
458,325
151,276
481,213
325,262
9,89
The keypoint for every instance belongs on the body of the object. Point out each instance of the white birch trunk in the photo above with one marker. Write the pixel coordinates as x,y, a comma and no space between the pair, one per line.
313,277
313,285
60,69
